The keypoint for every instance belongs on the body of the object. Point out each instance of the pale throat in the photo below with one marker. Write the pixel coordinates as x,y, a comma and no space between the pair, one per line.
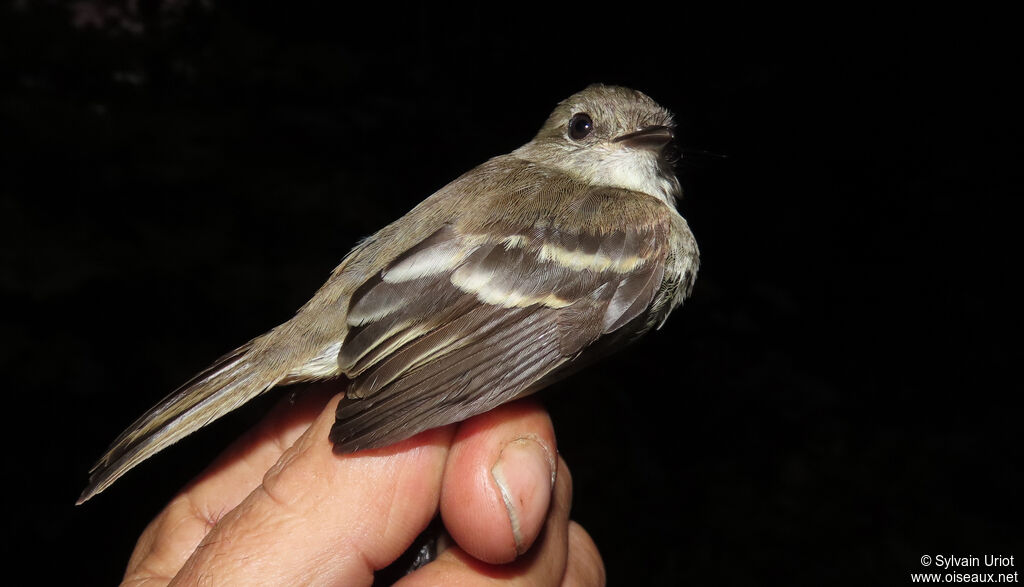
639,171
608,166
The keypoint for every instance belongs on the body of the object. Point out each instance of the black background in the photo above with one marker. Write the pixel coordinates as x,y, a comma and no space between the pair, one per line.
832,403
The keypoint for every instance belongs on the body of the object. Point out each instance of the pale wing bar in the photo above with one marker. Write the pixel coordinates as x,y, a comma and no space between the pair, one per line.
533,300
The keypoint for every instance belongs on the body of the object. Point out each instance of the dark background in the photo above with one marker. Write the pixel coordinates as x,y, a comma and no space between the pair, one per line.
832,403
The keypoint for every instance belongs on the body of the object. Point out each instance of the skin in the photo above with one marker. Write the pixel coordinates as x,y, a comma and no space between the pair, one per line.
279,507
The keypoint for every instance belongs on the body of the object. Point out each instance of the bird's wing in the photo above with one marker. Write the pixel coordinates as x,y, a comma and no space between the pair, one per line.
475,314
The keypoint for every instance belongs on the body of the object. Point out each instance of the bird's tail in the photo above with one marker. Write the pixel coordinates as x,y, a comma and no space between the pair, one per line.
230,382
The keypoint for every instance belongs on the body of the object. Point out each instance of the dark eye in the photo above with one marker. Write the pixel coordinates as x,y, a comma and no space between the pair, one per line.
580,125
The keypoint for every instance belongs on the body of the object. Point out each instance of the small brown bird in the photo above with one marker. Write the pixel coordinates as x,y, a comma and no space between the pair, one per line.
503,281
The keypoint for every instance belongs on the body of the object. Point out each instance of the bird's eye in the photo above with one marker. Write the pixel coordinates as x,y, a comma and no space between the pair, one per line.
580,125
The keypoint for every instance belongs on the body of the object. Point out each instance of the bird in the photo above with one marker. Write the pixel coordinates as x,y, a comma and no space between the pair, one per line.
514,275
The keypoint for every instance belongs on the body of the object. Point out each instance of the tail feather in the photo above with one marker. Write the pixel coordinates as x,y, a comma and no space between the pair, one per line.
230,382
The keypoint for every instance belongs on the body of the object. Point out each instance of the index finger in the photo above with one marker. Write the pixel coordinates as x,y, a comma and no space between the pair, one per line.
319,517
173,535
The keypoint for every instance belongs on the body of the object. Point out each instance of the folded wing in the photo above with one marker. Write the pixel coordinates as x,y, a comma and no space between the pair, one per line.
467,320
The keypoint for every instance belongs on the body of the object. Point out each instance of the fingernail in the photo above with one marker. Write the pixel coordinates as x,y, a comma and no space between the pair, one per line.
525,475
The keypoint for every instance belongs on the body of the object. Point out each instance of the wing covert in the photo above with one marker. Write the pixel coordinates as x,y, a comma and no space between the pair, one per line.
467,320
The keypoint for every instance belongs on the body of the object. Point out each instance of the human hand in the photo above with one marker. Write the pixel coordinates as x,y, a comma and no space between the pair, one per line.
279,507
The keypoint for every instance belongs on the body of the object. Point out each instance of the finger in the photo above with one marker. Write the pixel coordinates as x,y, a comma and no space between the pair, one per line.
543,564
241,468
498,481
173,535
319,517
584,567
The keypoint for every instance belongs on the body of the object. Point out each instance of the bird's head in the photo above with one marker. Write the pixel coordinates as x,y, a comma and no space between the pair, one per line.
609,136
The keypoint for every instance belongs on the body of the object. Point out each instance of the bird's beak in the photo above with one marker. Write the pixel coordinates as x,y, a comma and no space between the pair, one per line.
650,137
